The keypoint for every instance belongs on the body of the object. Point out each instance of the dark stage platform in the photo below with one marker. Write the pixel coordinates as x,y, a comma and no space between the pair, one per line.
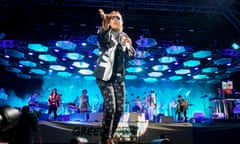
141,132
133,128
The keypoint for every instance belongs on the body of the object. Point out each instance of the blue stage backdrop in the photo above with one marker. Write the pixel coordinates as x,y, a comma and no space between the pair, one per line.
166,93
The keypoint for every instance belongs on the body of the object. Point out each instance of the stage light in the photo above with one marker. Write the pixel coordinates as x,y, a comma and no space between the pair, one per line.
182,71
142,54
47,57
75,56
150,80
200,76
202,54
167,59
90,54
176,63
30,53
4,62
2,35
80,64
78,140
175,78
229,64
146,42
66,45
235,46
89,77
64,74
130,77
14,53
24,76
209,58
210,70
84,44
191,63
8,43
175,49
92,39
137,62
160,67
151,59
85,72
134,69
222,61
7,56
56,50
233,69
71,68
12,69
96,51
155,74
222,76
37,71
57,67
28,63
37,47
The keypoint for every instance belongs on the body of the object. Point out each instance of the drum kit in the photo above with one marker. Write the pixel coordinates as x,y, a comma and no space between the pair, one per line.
136,105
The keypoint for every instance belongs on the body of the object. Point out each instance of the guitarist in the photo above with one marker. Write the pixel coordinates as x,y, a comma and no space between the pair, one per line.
182,107
151,105
53,102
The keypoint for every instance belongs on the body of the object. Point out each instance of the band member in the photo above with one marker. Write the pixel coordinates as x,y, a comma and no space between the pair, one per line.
32,101
114,47
53,102
137,105
182,107
151,105
74,107
172,107
84,102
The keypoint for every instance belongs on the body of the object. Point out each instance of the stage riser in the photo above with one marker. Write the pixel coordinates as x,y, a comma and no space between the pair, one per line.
98,116
166,119
126,132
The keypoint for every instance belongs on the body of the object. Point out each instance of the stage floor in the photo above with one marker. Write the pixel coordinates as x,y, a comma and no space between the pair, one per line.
141,132
135,129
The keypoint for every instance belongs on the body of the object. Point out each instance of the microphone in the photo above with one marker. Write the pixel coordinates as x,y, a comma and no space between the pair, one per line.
123,36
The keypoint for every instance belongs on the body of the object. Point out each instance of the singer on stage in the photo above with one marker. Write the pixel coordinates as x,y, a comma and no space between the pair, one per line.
114,47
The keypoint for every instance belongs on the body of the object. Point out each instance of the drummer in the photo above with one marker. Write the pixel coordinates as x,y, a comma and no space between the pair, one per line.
84,103
137,105
32,101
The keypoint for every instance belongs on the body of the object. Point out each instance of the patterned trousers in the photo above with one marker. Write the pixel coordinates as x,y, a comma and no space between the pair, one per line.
113,93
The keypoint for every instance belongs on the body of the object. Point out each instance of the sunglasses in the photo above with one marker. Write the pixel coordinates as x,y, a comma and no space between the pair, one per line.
115,17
